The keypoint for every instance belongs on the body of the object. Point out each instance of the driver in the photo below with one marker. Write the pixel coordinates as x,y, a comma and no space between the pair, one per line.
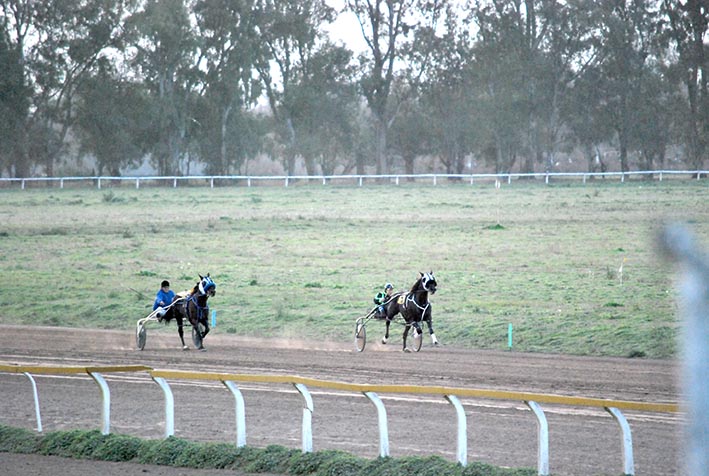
163,298
381,298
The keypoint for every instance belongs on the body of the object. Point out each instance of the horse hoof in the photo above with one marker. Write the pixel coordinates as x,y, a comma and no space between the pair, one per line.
384,341
407,350
202,349
184,347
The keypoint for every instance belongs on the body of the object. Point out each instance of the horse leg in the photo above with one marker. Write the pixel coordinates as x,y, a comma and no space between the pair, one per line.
181,332
406,333
386,332
429,322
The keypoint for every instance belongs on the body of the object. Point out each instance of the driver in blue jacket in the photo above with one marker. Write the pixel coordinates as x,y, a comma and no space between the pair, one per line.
163,298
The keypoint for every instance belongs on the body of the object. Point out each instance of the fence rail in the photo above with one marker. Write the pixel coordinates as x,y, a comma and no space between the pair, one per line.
301,384
287,180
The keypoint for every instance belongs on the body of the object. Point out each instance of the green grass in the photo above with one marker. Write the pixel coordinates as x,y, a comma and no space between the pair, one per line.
306,261
92,445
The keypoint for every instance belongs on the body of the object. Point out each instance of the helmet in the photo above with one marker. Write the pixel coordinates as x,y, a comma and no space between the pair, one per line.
165,284
388,286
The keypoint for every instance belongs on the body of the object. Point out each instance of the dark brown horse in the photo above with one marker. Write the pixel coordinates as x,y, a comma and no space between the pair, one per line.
192,306
414,307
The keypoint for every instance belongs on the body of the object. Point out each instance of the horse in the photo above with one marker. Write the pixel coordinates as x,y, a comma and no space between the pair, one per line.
192,306
414,307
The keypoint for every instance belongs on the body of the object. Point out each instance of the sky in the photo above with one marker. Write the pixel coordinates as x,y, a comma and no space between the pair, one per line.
346,28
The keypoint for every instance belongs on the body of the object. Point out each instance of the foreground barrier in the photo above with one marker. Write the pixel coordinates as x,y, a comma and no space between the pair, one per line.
301,384
93,372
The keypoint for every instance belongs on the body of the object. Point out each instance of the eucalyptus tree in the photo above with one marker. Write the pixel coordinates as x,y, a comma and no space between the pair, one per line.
447,96
413,133
113,121
14,108
224,131
323,109
290,32
163,52
56,46
389,28
629,52
688,29
500,69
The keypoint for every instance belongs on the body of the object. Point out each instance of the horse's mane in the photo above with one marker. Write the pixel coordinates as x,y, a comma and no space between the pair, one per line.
416,284
189,292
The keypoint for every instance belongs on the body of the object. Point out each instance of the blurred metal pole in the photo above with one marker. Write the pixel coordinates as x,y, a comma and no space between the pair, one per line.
694,305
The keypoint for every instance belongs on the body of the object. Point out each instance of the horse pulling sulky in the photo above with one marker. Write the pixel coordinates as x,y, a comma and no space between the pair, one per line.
406,308
190,306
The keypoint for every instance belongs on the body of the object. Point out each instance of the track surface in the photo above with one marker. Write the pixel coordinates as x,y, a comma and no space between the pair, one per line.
583,441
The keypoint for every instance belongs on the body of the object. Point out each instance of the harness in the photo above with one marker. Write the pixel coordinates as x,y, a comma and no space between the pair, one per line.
201,310
410,299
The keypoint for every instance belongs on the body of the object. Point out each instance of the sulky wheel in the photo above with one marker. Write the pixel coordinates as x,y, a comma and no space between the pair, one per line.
360,336
416,339
141,336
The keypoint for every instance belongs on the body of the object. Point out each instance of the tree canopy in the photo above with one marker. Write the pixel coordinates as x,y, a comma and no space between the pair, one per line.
447,86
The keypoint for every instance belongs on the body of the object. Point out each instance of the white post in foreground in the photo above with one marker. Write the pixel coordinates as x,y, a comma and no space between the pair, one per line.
307,430
169,406
240,413
543,439
628,463
462,430
36,401
106,400
383,425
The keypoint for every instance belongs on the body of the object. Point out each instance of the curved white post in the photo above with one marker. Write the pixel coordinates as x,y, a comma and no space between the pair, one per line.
106,402
628,463
169,406
543,441
462,430
307,417
36,401
240,413
383,426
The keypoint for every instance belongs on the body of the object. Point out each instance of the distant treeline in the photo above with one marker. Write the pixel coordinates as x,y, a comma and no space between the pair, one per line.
441,86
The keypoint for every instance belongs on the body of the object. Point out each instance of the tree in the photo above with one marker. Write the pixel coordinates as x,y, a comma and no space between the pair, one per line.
290,33
225,133
323,109
388,27
688,28
165,57
500,68
112,120
56,46
628,49
448,96
14,108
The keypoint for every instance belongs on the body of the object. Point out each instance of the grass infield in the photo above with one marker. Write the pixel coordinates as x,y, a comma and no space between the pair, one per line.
573,267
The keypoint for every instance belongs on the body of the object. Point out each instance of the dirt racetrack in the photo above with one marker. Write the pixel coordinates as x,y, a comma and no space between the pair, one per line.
583,441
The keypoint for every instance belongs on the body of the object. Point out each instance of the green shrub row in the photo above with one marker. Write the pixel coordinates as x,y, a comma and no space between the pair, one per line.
83,444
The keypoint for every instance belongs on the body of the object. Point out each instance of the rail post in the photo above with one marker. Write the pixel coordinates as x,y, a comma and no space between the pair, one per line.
169,406
383,426
307,430
462,430
627,440
543,439
36,401
240,413
106,402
